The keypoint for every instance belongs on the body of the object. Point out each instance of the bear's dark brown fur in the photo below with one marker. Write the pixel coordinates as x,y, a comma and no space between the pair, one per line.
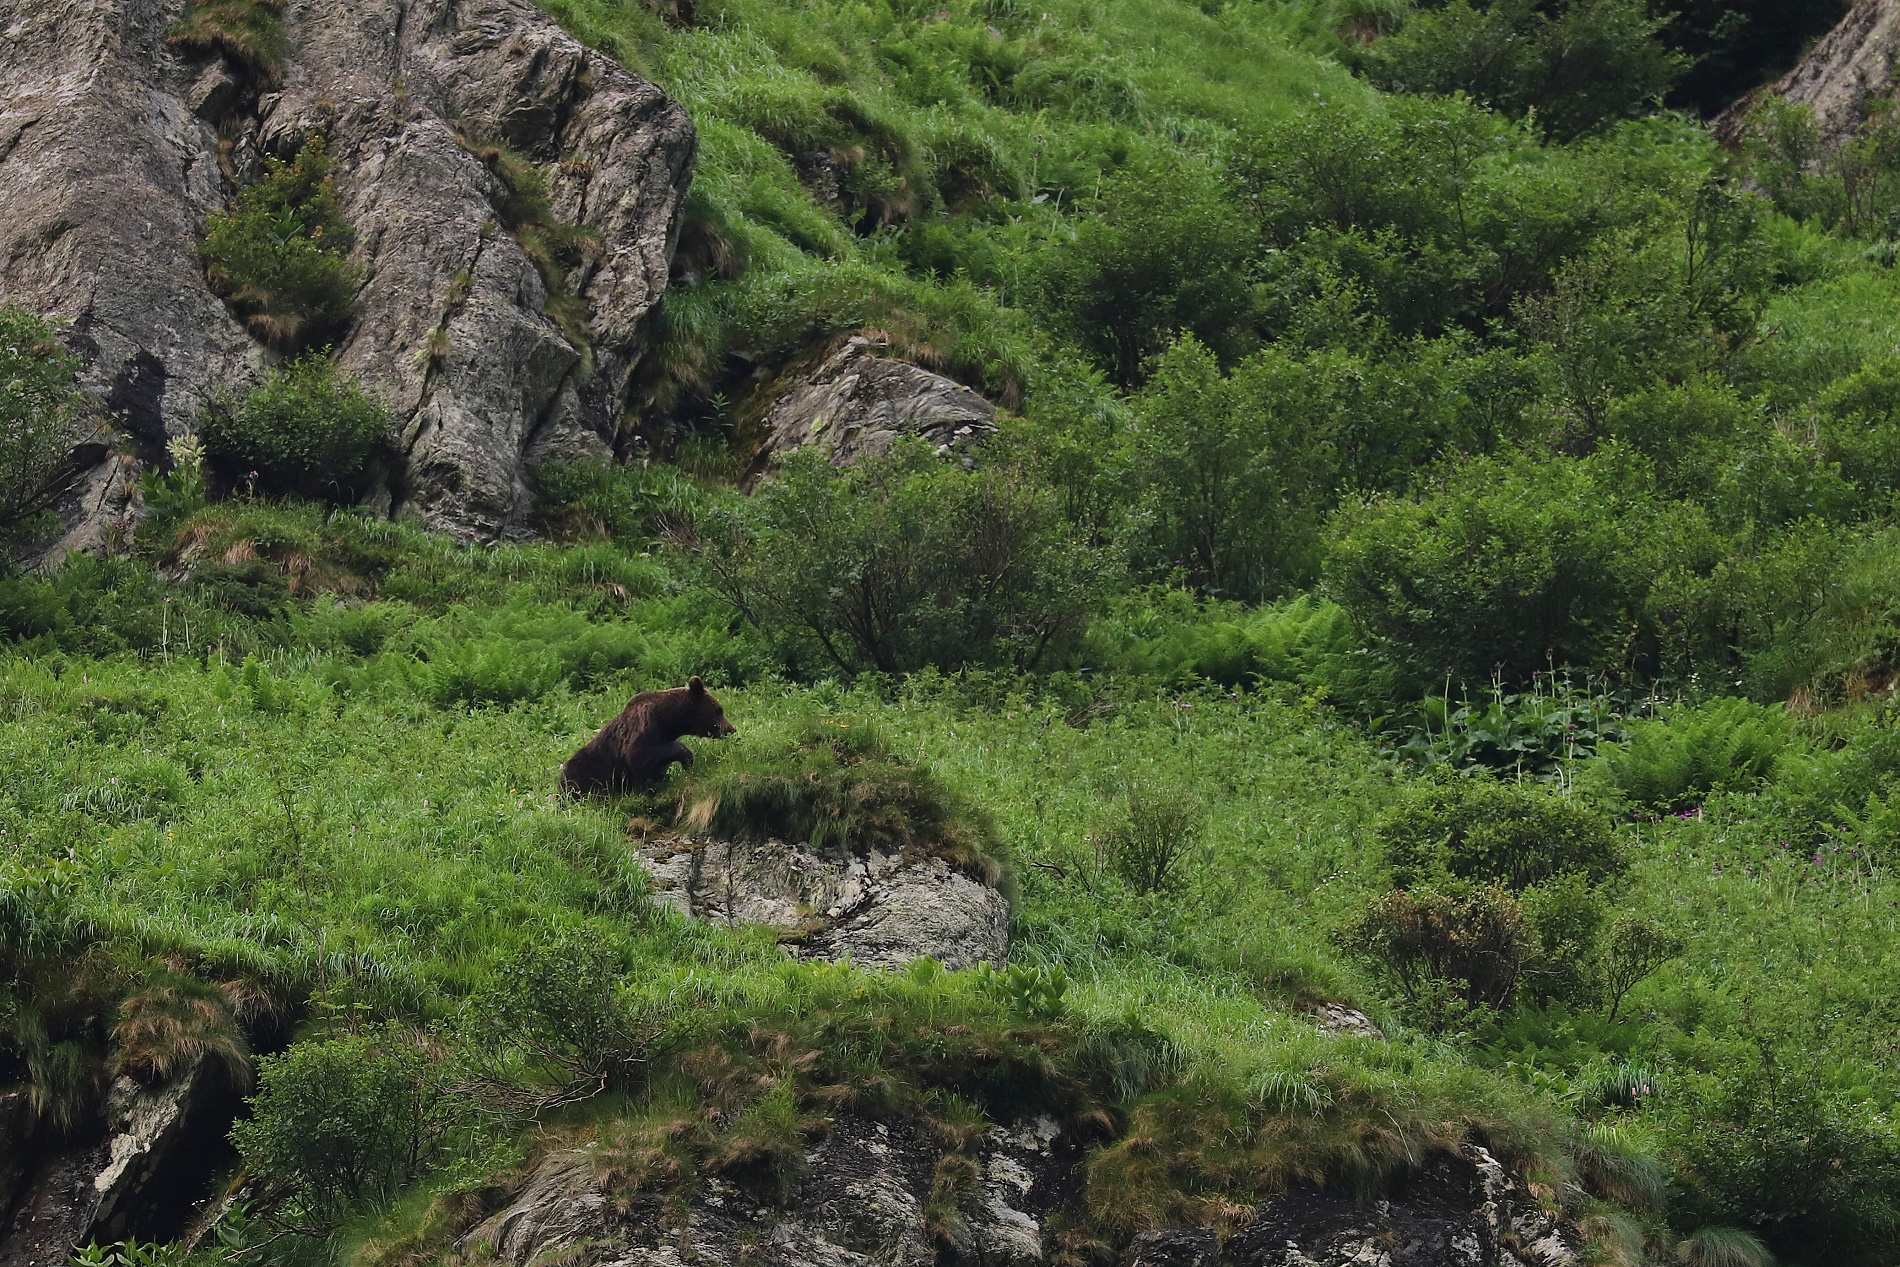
635,749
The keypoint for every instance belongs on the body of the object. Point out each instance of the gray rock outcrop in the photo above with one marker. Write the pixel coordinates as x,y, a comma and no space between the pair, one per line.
114,148
1337,1018
866,1187
1838,78
862,1203
855,403
160,1147
876,909
1462,1210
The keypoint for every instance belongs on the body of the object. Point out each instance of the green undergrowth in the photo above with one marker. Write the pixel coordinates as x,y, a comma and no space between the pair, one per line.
332,822
279,256
248,836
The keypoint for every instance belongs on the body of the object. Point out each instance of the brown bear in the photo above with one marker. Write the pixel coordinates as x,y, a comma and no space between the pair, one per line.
635,749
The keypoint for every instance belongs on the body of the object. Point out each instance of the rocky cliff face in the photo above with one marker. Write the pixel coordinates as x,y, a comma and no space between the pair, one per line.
114,148
868,1187
864,1202
1854,64
139,1177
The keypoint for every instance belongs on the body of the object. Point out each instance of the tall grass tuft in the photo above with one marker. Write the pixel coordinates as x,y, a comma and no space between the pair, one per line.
836,785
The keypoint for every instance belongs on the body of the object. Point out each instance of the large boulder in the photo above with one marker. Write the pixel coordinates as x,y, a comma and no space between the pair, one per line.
1839,78
115,147
879,910
855,401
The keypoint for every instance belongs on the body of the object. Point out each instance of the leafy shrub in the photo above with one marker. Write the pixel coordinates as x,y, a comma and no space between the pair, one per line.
1515,563
554,1001
1158,834
1859,418
1810,1170
1231,483
1633,948
901,562
36,415
1537,731
1484,830
1164,253
837,786
342,1119
307,428
1573,66
1442,949
1679,760
1846,185
279,257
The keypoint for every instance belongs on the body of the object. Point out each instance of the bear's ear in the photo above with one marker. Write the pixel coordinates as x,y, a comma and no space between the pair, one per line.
696,686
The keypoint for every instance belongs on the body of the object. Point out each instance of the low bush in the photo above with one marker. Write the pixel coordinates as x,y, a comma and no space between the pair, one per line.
342,1119
1677,761
1156,837
1572,66
280,256
900,562
37,399
1512,564
308,428
1486,831
1445,951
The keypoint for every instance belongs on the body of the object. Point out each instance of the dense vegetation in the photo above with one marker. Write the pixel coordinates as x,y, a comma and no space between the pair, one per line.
1439,556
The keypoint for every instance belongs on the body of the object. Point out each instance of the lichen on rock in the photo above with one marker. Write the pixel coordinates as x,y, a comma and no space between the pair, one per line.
877,909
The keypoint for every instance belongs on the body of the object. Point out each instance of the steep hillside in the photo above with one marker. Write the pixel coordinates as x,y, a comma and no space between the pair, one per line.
1307,594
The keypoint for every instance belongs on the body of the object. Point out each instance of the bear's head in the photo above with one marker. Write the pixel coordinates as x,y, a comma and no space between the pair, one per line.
705,717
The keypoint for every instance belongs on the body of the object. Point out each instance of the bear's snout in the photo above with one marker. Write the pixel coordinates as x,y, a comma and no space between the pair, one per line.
724,728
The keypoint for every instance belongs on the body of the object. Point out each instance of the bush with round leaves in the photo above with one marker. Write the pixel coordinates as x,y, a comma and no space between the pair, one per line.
307,429
341,1120
1487,830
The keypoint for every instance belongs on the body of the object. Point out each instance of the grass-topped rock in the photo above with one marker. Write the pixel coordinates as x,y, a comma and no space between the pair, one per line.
851,850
